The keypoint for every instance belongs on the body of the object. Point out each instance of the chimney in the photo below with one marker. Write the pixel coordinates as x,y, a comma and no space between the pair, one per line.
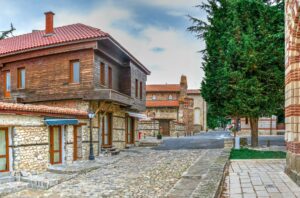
49,23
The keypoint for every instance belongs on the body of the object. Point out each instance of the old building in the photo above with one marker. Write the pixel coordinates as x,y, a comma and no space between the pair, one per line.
80,67
266,126
292,88
173,109
34,136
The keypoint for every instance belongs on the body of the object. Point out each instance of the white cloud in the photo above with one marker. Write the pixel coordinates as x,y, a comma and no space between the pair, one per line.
180,47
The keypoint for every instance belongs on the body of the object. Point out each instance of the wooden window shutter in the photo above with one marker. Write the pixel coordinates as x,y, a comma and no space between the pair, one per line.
136,88
141,90
110,77
102,73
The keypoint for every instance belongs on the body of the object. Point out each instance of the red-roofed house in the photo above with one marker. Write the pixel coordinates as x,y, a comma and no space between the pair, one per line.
174,109
79,67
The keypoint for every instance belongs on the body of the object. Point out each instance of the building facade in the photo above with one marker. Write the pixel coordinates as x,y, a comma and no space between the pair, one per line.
31,137
292,88
266,126
173,110
79,67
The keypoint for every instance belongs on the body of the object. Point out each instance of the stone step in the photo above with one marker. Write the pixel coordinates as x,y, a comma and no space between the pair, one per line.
6,179
12,187
46,180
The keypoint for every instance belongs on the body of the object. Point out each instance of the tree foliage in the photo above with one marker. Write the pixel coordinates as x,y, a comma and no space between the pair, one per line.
244,58
5,34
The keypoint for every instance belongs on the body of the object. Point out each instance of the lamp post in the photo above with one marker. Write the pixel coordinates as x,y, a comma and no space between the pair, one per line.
91,115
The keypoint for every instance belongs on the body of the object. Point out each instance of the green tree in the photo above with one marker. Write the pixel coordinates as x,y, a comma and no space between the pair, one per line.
243,59
5,34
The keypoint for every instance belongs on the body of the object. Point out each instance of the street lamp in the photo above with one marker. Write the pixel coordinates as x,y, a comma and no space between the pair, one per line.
91,115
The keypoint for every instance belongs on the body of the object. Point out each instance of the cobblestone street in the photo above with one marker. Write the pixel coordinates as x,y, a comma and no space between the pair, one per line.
140,173
259,178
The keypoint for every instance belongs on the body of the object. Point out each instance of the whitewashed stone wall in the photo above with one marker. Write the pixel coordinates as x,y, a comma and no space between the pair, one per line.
30,148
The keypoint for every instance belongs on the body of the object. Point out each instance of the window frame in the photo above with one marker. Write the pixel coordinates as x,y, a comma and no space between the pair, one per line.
154,97
110,77
136,88
19,81
71,74
141,90
170,97
102,73
7,94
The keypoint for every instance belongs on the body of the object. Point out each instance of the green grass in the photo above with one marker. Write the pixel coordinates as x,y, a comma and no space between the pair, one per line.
245,153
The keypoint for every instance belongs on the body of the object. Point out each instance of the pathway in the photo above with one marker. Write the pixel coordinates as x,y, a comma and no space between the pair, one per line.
259,178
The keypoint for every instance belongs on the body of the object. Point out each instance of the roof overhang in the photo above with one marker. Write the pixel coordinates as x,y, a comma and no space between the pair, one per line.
125,53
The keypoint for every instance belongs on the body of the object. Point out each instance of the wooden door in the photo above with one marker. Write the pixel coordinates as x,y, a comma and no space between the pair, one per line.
107,131
75,143
129,130
4,152
165,126
55,145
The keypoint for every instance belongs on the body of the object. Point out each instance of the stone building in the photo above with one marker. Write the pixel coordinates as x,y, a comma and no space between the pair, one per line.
292,88
266,126
174,109
79,67
34,136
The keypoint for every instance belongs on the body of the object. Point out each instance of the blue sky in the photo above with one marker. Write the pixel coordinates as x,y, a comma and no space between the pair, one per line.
152,30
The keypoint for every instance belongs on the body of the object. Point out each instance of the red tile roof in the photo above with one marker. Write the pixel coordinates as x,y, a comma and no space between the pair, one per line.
162,103
193,91
163,88
39,109
37,39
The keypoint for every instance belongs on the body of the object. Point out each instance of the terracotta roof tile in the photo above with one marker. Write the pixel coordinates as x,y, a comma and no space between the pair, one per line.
39,109
163,88
37,38
162,103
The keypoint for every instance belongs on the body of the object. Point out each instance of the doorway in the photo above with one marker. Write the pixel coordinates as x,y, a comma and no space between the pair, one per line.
107,130
164,125
4,152
129,130
55,145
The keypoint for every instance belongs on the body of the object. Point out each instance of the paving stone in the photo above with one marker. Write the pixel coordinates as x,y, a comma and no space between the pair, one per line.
267,178
142,172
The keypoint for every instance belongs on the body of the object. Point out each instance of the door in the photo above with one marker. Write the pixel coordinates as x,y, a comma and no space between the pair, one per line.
55,145
107,131
4,157
129,130
165,126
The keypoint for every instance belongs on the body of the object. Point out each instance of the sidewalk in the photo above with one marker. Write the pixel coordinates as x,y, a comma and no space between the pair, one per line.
259,178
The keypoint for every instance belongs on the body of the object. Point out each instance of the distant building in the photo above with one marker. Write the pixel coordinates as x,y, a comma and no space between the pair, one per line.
174,109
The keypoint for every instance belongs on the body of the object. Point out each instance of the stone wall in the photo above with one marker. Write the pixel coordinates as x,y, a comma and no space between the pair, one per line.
30,148
148,128
177,129
119,129
292,85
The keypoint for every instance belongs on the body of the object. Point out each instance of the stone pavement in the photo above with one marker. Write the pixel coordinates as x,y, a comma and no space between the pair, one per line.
142,172
204,177
259,178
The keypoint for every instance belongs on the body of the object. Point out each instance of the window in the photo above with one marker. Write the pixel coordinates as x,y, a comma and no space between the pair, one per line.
7,84
197,114
21,78
141,90
246,121
110,77
102,73
75,71
136,88
153,97
170,97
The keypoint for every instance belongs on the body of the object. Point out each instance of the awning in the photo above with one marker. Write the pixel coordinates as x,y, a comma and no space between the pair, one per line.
138,115
63,121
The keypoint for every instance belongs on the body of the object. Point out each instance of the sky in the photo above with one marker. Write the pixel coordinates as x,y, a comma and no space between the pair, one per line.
154,31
